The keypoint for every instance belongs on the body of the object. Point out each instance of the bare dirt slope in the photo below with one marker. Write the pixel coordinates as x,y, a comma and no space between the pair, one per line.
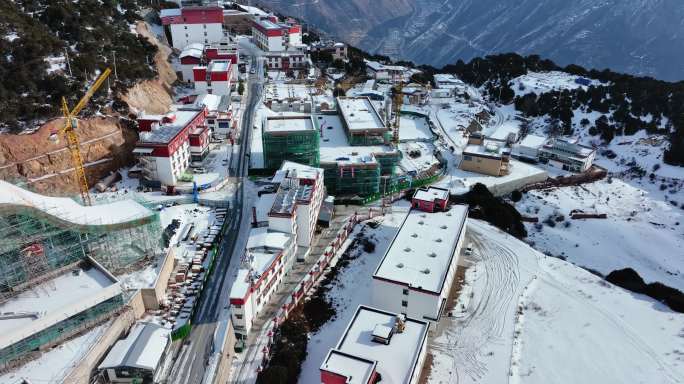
106,144
153,96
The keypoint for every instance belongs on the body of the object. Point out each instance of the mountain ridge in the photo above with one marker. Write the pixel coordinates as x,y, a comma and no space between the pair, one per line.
635,36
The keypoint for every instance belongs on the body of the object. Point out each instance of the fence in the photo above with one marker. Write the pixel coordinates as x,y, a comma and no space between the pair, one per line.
317,271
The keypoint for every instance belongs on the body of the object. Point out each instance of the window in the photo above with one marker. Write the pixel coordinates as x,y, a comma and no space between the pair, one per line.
205,34
204,26
404,303
467,158
237,306
239,317
406,291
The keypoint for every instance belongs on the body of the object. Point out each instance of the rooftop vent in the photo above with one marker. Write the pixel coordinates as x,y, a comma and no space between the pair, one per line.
432,254
407,249
400,265
425,271
414,235
382,333
443,226
438,240
421,222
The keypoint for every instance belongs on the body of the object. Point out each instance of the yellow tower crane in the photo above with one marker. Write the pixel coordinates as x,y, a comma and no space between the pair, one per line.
69,131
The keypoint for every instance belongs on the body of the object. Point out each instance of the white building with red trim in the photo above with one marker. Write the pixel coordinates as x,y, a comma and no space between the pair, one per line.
193,25
286,60
215,78
298,201
416,274
270,34
219,114
163,149
268,258
198,54
276,240
377,346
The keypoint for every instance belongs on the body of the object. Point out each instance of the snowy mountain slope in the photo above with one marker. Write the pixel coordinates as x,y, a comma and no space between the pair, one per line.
641,231
526,318
642,37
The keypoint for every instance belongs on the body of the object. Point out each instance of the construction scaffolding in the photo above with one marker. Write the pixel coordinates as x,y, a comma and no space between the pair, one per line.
34,244
298,146
29,347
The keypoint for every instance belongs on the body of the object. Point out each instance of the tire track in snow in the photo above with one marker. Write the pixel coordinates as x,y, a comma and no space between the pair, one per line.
498,280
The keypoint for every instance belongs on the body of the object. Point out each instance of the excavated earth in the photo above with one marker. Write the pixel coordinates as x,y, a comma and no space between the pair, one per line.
44,164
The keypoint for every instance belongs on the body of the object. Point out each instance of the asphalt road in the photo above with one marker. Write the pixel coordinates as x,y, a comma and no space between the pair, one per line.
193,357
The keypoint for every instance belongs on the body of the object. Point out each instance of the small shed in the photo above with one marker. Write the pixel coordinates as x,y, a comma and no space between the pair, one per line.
430,199
138,356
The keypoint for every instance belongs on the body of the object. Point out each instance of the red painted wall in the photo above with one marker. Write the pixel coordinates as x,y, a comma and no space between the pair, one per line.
332,378
203,15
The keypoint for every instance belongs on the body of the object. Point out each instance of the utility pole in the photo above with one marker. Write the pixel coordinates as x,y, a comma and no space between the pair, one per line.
116,76
66,57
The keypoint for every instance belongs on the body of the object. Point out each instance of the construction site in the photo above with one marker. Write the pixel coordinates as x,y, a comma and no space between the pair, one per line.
57,264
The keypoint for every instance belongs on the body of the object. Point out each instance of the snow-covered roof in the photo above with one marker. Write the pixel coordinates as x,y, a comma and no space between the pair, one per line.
568,147
143,348
193,50
335,147
165,133
489,148
423,250
263,246
359,114
281,124
446,80
376,66
210,101
302,171
356,354
431,194
532,141
170,12
219,66
54,301
263,238
68,210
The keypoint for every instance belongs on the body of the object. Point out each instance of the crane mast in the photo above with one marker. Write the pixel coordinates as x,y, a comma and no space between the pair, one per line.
69,132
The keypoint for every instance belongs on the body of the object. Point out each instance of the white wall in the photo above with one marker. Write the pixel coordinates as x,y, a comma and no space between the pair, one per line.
185,34
389,296
168,169
275,43
282,224
186,71
216,87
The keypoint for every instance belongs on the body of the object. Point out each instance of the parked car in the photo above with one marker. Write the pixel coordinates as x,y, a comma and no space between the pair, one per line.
200,170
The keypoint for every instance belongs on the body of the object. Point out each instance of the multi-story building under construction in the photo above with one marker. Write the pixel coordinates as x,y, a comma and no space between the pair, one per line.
55,258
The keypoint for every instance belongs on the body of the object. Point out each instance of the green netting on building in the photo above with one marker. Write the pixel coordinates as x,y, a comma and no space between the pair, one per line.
23,229
300,147
61,330
369,139
388,162
350,180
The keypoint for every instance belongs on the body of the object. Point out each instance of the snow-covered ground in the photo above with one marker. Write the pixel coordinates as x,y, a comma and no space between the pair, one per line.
52,366
414,128
353,287
525,317
640,232
542,82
